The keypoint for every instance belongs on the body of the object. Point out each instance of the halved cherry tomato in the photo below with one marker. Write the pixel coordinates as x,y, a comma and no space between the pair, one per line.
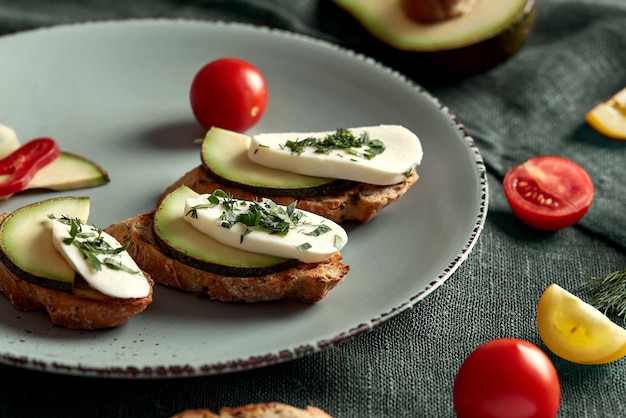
229,93
23,163
576,331
549,192
609,117
504,378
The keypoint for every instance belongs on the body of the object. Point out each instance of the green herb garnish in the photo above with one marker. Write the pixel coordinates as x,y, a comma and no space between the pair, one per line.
213,200
265,214
321,229
342,139
91,244
609,293
338,243
304,247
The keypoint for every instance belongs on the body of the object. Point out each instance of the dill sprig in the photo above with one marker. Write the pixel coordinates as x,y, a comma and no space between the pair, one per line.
342,139
608,293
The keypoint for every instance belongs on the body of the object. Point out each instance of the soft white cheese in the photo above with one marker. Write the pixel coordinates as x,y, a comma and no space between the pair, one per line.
301,241
403,152
112,282
8,141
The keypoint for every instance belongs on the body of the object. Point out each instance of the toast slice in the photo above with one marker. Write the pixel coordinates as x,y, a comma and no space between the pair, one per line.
306,282
260,410
85,308
359,203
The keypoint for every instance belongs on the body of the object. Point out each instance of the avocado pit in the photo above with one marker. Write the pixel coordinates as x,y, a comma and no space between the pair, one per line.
430,11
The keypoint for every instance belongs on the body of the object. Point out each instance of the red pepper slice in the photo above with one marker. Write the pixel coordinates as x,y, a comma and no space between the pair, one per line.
23,163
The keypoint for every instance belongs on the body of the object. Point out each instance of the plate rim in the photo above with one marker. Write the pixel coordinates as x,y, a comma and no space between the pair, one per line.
307,348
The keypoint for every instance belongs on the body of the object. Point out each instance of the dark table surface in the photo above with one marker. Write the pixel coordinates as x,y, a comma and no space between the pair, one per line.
533,104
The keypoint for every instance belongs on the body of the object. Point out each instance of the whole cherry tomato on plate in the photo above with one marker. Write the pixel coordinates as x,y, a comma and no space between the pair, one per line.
549,192
229,93
507,378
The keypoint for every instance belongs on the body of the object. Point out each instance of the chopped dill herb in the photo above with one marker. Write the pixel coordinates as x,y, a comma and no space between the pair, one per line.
321,229
213,200
342,139
114,264
303,247
338,243
265,214
92,244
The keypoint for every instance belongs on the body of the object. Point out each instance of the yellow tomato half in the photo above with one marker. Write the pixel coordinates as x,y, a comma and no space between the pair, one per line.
576,331
609,117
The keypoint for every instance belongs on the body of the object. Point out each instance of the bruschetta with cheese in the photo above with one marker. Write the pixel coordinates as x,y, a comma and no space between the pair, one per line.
343,175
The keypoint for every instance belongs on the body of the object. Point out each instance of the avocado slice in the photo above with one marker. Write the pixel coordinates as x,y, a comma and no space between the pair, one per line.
225,155
181,241
68,172
488,35
26,247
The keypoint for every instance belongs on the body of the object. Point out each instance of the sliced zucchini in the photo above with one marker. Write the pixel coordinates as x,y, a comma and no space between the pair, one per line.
68,172
225,155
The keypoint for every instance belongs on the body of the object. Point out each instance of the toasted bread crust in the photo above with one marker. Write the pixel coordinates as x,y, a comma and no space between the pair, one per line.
260,410
359,203
85,308
303,283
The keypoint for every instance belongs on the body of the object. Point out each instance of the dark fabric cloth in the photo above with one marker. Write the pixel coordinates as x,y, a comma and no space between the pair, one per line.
533,104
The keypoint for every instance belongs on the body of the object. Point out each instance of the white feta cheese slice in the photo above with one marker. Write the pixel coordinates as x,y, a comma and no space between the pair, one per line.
308,237
402,152
110,278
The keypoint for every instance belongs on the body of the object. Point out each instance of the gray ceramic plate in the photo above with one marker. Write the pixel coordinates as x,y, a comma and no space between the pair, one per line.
117,92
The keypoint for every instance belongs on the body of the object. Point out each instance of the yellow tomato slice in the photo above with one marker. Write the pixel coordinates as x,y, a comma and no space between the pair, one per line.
8,141
609,117
576,331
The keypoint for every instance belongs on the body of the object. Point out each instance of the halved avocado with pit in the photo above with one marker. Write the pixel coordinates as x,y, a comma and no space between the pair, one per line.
180,240
488,35
225,155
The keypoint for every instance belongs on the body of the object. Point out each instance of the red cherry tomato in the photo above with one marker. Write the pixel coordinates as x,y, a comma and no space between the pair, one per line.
229,93
507,378
549,192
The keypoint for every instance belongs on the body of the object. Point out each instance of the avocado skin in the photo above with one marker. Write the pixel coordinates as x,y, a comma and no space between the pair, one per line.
321,190
485,55
221,269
